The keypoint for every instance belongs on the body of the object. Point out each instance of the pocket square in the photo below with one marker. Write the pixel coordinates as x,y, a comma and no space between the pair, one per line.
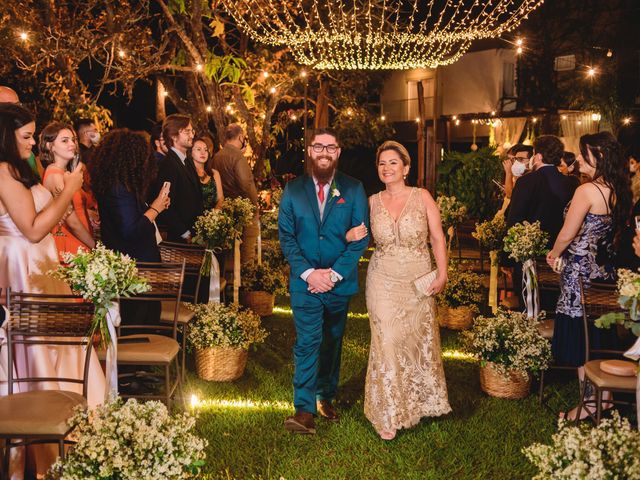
342,200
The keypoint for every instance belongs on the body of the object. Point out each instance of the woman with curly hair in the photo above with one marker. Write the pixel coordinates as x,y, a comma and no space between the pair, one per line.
121,171
58,150
593,222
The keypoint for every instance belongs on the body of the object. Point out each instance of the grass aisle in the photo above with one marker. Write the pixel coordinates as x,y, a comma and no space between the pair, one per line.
481,439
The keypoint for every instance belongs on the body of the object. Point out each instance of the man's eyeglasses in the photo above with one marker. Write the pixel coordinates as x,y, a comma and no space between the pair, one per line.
318,148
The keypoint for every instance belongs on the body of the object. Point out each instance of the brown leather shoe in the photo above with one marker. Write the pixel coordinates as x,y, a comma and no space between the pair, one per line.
301,422
326,410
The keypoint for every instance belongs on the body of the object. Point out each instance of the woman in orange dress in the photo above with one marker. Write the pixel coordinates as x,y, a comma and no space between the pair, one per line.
58,149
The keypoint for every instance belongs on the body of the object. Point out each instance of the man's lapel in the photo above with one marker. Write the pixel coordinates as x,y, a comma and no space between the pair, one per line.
331,201
310,189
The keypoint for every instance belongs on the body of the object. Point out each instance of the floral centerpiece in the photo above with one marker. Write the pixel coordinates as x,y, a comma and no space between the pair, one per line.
221,335
460,298
610,450
509,347
261,282
490,234
131,441
524,242
452,213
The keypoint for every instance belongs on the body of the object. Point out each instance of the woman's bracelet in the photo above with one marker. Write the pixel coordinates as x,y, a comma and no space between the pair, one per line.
155,210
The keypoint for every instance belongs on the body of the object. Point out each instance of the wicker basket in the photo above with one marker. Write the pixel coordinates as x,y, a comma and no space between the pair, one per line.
492,382
260,302
221,364
459,318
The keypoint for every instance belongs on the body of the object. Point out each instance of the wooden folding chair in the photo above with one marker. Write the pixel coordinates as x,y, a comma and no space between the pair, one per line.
41,416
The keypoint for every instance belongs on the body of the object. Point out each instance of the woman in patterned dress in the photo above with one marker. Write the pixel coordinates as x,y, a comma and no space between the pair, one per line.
593,222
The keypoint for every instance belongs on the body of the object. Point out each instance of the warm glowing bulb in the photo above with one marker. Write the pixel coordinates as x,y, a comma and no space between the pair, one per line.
23,36
265,74
122,53
209,108
272,90
591,72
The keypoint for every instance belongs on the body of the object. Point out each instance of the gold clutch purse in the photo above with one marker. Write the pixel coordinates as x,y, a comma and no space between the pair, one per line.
423,283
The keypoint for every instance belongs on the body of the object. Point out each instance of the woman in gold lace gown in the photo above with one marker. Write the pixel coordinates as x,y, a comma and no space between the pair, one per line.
405,378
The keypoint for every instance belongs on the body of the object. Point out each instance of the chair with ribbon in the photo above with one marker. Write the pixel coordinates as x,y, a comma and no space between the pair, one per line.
601,375
33,412
194,258
159,347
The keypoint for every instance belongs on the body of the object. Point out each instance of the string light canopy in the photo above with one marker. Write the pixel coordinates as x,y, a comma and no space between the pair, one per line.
377,34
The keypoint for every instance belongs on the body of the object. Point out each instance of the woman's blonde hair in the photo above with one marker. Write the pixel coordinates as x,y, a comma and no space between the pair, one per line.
396,147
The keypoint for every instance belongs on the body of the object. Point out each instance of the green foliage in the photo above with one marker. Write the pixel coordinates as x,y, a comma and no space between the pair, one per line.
469,177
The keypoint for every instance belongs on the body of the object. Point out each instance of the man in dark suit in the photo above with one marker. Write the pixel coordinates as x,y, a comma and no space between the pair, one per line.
178,169
316,211
541,195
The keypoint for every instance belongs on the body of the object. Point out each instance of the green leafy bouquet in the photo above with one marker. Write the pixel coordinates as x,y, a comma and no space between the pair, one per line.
131,441
219,325
101,276
510,340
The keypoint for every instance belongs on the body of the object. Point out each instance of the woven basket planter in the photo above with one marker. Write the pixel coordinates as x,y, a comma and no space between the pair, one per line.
221,364
493,383
459,318
260,302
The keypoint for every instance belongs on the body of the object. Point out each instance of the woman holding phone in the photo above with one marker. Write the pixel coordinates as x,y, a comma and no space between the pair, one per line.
121,170
58,150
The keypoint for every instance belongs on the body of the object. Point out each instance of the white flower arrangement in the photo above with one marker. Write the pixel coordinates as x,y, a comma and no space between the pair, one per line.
510,340
100,276
609,451
525,241
219,325
132,441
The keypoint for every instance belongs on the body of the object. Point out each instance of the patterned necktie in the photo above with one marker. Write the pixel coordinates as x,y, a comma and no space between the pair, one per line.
321,191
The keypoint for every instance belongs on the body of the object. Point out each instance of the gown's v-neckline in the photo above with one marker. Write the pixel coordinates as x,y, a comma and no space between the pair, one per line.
396,220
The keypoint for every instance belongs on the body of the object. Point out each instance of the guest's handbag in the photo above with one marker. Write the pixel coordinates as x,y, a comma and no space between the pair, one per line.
423,283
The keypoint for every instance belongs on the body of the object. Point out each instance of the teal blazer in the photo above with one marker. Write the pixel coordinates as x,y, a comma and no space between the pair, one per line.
308,242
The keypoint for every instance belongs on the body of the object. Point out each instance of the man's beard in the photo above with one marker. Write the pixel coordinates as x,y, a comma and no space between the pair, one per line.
323,174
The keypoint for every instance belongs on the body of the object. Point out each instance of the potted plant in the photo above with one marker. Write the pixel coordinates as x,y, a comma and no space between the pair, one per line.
458,303
490,235
452,213
130,441
610,450
510,348
221,336
261,282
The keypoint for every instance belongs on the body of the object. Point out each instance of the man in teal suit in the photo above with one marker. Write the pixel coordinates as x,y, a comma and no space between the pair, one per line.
316,211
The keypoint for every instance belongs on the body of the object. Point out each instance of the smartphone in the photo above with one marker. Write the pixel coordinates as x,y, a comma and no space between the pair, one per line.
166,186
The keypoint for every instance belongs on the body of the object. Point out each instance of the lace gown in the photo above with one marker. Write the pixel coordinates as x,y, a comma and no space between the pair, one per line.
405,378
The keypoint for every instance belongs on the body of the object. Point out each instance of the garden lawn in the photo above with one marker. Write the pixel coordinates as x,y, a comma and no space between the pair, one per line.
481,438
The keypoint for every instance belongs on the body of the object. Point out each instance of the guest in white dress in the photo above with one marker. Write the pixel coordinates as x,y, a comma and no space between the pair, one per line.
27,252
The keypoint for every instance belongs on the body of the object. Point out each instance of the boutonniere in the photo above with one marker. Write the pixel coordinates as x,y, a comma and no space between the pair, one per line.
334,190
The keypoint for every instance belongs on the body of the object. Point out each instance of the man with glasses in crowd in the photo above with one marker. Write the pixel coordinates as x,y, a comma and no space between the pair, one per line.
238,182
316,211
177,168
